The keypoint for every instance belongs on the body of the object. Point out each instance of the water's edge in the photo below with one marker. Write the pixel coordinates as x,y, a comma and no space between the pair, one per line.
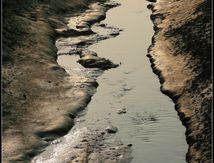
84,79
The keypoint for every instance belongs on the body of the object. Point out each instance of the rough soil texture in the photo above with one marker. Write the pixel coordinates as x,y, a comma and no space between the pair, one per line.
40,100
181,57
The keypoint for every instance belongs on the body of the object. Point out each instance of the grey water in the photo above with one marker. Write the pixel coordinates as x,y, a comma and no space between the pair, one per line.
150,123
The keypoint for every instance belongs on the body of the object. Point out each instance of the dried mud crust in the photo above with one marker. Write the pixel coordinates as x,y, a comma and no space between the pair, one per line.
180,55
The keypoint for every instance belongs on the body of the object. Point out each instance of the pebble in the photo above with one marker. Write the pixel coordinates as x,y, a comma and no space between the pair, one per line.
129,145
122,111
111,129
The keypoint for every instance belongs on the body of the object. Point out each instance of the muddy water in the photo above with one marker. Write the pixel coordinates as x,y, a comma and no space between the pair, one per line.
150,123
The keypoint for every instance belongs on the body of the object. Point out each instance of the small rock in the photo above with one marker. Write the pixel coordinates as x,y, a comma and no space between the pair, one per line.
122,111
96,62
111,129
129,145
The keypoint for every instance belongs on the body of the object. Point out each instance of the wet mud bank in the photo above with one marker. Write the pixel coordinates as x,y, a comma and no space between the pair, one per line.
84,144
40,99
180,55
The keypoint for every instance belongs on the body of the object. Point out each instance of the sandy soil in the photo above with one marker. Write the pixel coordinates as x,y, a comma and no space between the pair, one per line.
181,57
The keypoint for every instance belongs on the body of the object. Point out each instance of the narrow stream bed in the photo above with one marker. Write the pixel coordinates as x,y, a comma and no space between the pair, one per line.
149,122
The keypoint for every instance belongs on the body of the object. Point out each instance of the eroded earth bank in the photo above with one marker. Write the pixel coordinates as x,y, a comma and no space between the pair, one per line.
41,99
181,57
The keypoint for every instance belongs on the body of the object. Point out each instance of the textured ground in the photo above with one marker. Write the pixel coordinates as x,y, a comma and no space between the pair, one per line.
38,95
181,57
37,92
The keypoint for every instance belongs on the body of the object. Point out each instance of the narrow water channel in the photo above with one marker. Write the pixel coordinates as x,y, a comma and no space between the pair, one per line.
150,123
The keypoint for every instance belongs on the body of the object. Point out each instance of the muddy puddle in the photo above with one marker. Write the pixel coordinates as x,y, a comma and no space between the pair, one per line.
144,125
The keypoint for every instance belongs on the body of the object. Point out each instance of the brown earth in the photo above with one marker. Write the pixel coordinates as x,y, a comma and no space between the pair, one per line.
181,57
39,99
